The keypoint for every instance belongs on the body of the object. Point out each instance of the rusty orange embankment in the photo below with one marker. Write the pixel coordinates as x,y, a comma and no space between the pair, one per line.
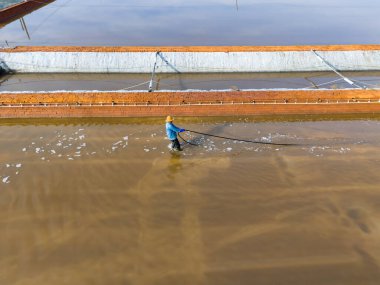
144,104
19,10
192,48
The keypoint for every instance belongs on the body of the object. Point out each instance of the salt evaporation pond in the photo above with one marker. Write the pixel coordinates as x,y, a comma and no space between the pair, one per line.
7,3
104,202
198,22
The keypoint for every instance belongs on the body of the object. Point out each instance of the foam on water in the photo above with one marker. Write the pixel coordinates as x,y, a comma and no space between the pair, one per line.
71,146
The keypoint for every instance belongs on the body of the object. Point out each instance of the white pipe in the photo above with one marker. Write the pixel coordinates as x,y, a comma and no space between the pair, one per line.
153,73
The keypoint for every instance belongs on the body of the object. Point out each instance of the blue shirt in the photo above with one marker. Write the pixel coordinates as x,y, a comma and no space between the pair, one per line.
171,131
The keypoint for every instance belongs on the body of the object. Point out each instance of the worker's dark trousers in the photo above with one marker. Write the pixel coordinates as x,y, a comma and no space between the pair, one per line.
176,145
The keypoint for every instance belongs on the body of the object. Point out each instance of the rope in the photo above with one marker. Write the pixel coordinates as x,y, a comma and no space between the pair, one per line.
323,84
240,140
187,141
137,85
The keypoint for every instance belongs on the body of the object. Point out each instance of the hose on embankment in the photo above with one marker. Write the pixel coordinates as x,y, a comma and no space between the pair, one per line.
235,139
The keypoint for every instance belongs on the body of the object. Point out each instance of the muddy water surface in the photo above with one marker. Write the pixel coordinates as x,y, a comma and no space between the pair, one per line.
105,202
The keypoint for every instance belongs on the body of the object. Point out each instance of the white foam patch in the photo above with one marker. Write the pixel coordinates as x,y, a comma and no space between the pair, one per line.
323,150
6,180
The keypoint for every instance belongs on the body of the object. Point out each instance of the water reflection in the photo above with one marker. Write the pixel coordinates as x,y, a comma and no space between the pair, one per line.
175,165
211,22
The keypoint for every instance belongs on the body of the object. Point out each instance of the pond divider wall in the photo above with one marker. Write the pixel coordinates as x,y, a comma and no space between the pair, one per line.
189,60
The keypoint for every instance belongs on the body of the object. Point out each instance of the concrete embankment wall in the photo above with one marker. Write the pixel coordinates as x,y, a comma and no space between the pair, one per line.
143,104
189,59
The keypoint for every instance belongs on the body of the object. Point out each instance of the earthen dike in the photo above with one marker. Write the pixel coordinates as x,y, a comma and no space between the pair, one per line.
192,103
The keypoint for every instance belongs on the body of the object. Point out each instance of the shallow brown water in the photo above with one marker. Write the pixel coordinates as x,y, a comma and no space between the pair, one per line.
105,202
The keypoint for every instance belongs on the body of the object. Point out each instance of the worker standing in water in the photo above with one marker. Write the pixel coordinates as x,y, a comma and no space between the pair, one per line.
171,131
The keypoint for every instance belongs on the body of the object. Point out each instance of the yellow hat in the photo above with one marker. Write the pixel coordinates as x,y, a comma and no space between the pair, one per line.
169,119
